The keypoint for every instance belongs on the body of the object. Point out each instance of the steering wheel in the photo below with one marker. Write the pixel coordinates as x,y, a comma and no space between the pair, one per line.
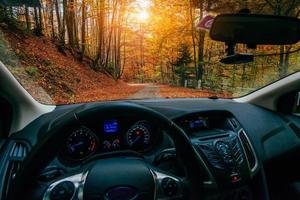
122,177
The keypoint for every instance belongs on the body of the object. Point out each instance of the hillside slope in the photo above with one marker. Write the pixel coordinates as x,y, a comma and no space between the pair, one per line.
38,65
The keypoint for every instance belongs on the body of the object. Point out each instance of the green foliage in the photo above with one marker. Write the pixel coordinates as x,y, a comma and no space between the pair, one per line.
184,55
7,55
183,59
32,70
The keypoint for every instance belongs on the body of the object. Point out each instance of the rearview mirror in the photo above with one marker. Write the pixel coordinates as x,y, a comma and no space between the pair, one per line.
255,29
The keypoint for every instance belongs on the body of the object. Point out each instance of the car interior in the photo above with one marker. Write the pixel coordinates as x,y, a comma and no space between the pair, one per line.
189,148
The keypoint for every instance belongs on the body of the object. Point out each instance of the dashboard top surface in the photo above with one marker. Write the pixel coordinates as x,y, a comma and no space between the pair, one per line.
264,128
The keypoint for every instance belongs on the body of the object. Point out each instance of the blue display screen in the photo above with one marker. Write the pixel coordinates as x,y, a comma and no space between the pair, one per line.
198,123
110,126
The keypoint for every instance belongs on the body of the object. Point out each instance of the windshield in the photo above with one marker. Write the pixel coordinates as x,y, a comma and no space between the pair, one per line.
66,52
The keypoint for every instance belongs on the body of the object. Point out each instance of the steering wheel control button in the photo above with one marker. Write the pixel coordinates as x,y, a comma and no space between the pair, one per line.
62,191
169,186
122,193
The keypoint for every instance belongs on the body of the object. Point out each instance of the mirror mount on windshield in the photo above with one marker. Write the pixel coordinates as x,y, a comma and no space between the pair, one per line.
230,50
238,59
235,58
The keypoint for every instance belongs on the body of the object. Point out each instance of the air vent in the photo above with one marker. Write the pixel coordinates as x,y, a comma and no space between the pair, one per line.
17,155
19,151
295,129
237,151
234,123
249,151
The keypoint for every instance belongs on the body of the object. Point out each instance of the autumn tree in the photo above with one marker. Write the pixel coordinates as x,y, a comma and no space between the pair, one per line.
183,59
285,8
112,37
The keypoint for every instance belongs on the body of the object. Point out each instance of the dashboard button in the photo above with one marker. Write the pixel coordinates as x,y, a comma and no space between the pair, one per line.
235,178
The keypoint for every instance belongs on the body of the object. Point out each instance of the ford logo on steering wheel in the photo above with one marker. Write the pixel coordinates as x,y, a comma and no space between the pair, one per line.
122,193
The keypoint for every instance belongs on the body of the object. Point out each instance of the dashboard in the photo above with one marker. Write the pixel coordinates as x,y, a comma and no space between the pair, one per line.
195,116
108,135
105,135
233,138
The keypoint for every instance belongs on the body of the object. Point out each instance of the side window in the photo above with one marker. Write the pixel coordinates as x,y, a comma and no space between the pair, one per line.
296,107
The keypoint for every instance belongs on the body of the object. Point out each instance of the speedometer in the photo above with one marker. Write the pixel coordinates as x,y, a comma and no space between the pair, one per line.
138,136
81,143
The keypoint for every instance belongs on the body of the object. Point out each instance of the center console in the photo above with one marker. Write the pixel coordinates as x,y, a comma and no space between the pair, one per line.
226,149
225,156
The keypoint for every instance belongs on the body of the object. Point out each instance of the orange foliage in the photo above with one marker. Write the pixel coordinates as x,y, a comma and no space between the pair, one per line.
179,92
62,76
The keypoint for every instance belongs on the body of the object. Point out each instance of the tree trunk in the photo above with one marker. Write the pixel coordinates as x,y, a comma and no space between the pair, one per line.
36,19
118,40
38,30
201,48
40,19
27,18
193,37
57,10
101,31
61,25
53,35
282,70
70,18
284,60
108,52
83,34
75,25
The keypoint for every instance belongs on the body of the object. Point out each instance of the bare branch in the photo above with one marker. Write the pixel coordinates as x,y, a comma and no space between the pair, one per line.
270,4
290,8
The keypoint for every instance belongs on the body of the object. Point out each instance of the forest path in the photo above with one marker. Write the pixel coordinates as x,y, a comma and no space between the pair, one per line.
150,91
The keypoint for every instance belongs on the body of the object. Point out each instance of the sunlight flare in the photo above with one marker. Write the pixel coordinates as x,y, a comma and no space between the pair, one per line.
142,16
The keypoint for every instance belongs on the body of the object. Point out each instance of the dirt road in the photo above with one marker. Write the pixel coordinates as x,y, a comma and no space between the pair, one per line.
150,91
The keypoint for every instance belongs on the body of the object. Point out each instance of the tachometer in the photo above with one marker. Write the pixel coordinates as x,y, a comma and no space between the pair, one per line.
138,136
81,143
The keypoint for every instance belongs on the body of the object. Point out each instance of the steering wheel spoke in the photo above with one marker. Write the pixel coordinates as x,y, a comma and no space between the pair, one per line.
167,186
70,187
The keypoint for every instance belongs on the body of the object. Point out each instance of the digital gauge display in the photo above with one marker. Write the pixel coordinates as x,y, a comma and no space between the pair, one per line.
81,144
111,127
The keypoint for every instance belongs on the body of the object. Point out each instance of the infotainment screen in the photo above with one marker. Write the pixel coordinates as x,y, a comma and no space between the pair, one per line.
111,126
198,123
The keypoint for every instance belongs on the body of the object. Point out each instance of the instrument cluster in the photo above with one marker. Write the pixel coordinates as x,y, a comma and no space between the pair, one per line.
113,135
